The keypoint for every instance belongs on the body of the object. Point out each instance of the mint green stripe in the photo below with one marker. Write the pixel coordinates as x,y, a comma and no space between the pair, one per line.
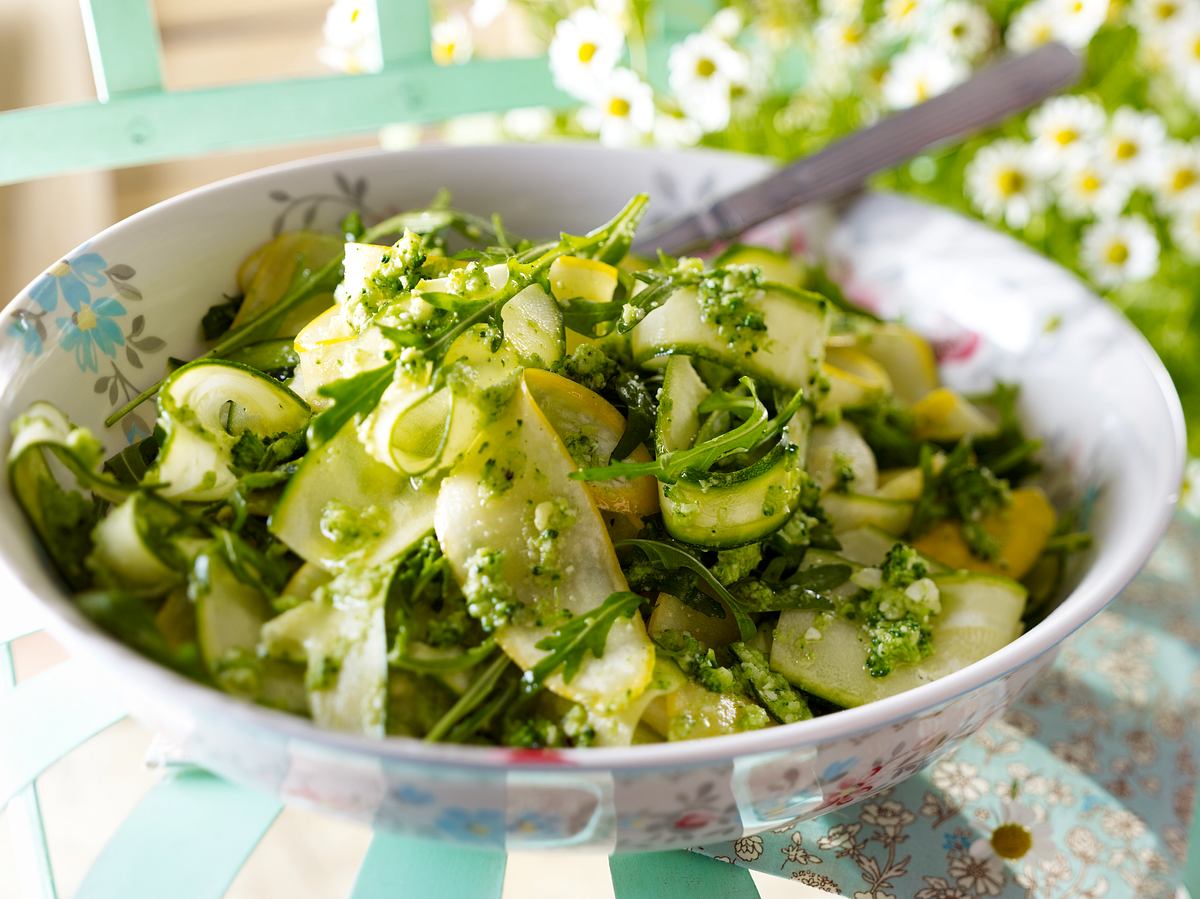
678,875
143,127
404,30
26,808
398,867
46,717
123,43
187,839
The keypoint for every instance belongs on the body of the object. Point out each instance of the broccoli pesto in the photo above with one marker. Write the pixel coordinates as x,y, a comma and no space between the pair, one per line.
545,494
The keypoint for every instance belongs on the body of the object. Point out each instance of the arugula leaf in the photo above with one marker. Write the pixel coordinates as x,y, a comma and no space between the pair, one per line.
219,317
570,643
670,466
353,396
672,557
130,465
472,698
640,413
820,578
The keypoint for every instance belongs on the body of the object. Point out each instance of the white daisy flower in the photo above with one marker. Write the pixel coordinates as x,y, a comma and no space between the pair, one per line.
1189,497
1005,181
1033,26
616,10
918,74
1133,143
453,42
1176,178
351,33
1119,251
1019,835
1183,52
477,128
842,43
485,12
676,130
621,110
1154,16
1086,188
1077,21
1185,232
1065,126
842,9
705,73
905,16
726,24
963,29
528,122
584,52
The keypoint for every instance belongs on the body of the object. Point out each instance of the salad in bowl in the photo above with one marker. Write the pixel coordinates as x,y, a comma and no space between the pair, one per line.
436,480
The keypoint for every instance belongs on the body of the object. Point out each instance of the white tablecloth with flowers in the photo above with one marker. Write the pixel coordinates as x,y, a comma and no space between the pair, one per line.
1085,789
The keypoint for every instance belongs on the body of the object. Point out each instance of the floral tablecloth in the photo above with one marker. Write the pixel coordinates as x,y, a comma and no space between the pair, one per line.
1085,789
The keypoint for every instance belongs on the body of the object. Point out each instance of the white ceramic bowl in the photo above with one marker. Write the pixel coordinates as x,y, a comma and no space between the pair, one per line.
102,322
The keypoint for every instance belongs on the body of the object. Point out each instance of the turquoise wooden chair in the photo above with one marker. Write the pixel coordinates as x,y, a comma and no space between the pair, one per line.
191,834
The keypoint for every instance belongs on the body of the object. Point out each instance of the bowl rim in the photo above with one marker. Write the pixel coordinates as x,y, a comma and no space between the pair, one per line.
143,675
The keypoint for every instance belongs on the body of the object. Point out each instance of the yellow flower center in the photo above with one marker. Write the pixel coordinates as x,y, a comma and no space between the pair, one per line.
1184,178
906,9
958,30
705,67
1196,48
1010,182
1066,136
1117,253
921,89
1126,149
1165,11
85,319
1077,7
586,51
1089,183
480,830
443,53
618,107
1012,840
852,34
60,268
1041,35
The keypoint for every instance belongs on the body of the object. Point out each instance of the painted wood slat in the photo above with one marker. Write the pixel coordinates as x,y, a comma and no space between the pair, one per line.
404,30
124,46
678,875
136,128
82,707
400,866
187,839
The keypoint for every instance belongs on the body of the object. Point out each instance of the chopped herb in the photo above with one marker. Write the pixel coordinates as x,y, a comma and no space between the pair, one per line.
963,490
778,696
219,318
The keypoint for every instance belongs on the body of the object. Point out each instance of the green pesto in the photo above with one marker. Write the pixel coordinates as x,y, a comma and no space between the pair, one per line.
725,299
589,366
490,599
547,522
348,528
735,564
398,273
772,689
896,605
501,471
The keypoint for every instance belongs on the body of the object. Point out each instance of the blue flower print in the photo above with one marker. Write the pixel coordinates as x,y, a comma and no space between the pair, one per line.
411,795
93,327
71,280
27,329
478,826
838,768
958,840
530,823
